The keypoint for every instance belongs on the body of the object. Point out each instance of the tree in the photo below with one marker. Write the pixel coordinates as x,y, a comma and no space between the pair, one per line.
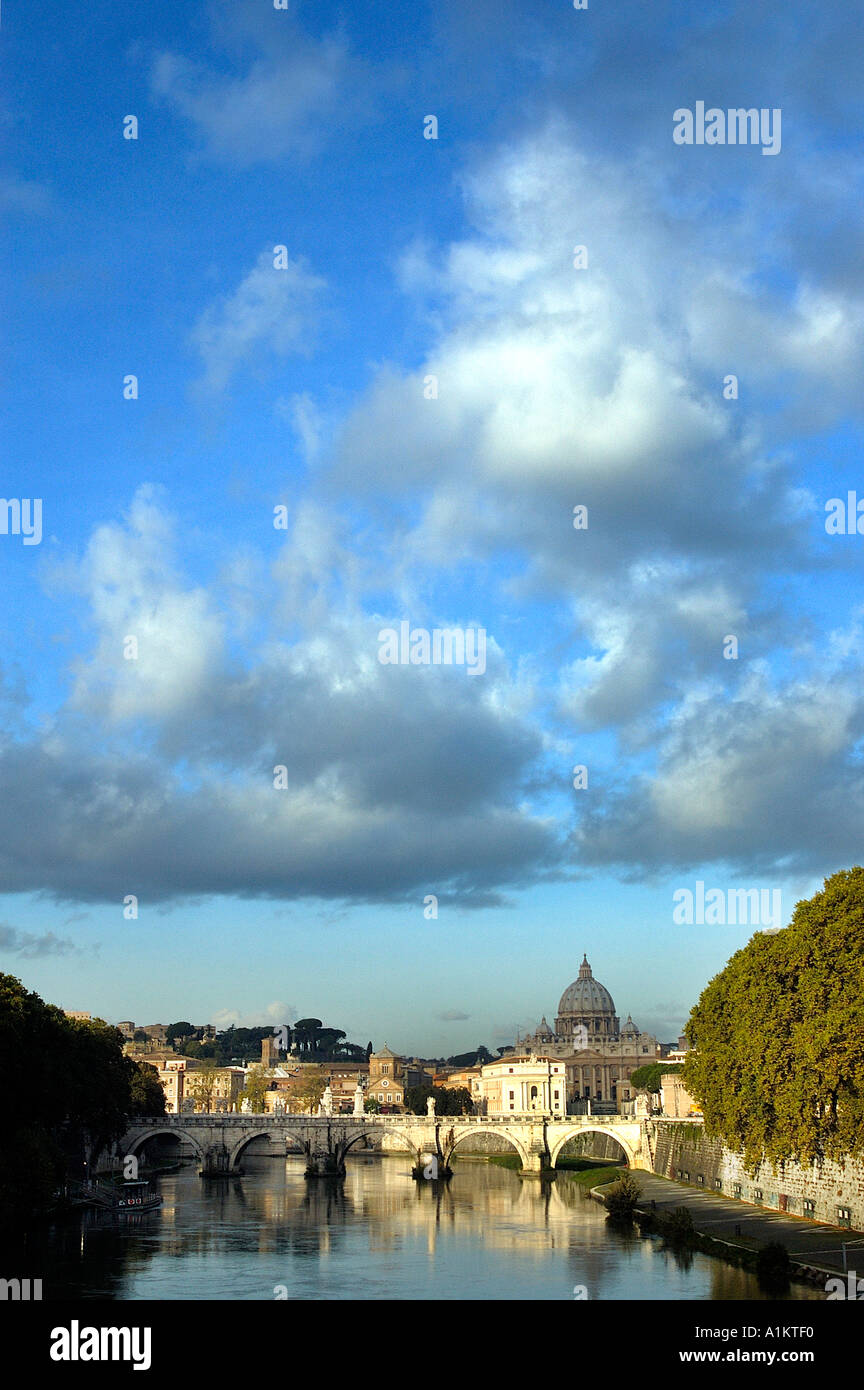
179,1030
622,1199
777,1038
305,1035
148,1096
99,1091
371,1105
773,1267
647,1078
193,1048
416,1097
256,1087
202,1084
449,1100
68,1094
310,1088
453,1100
327,1041
471,1059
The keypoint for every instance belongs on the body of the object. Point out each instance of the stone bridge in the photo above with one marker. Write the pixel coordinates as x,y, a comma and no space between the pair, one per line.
219,1140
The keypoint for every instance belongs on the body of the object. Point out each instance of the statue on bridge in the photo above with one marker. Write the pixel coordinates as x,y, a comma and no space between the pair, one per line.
326,1106
358,1100
430,1106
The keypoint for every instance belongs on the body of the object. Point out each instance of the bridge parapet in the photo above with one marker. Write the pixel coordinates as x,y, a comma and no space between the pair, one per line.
232,1119
326,1139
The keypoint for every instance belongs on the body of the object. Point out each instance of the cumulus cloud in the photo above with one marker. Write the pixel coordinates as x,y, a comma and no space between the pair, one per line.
30,946
276,1013
557,386
600,385
603,386
271,313
395,778
159,641
281,93
769,779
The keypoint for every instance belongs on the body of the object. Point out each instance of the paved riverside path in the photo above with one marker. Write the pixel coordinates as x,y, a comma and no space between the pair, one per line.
808,1242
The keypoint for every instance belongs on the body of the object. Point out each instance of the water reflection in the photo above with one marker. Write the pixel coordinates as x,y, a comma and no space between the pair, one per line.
377,1234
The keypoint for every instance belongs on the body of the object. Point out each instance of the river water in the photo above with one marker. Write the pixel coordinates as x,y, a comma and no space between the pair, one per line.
270,1234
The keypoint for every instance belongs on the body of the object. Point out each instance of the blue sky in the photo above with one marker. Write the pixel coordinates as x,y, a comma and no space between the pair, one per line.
302,386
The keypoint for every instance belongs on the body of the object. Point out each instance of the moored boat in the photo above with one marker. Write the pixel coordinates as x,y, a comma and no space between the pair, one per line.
136,1197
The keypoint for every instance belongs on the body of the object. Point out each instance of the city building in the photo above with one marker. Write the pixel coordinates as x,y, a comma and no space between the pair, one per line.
675,1052
172,1085
457,1077
599,1054
210,1089
385,1078
151,1052
156,1032
286,1079
675,1100
343,1078
391,1076
519,1085
191,1084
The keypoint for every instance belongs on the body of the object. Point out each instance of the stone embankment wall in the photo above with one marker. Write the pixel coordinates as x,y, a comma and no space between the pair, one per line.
830,1192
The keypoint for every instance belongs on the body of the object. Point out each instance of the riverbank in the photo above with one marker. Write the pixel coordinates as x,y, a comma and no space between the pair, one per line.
737,1231
587,1172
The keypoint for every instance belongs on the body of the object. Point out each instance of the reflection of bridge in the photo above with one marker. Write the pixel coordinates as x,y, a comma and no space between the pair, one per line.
219,1140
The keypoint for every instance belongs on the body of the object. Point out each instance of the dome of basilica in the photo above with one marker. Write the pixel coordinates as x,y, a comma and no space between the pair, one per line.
586,995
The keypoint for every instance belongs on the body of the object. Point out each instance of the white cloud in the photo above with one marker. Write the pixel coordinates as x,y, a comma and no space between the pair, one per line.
276,1012
277,108
24,196
128,578
271,313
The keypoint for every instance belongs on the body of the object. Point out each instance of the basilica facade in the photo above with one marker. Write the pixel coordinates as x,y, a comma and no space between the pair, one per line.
599,1055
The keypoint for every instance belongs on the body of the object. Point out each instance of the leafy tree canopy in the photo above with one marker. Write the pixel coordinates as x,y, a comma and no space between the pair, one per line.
647,1078
181,1030
308,1037
148,1097
69,1093
778,1035
478,1057
452,1100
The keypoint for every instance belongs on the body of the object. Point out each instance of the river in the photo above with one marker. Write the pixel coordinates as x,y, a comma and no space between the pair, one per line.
270,1234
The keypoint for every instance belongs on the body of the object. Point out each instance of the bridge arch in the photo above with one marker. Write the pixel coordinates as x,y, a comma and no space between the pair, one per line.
410,1146
276,1136
607,1130
133,1145
502,1131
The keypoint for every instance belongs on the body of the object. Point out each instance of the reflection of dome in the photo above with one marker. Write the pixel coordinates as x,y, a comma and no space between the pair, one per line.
586,995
